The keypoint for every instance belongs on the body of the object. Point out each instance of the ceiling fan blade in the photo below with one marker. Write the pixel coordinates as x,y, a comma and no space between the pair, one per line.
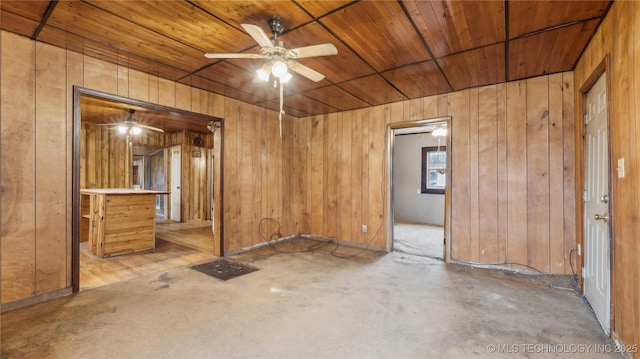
327,49
213,55
149,127
307,72
258,34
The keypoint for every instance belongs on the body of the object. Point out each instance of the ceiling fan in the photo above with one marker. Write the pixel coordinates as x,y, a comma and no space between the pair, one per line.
280,59
130,126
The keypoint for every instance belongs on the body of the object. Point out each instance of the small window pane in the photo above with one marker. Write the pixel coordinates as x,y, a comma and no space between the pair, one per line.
434,169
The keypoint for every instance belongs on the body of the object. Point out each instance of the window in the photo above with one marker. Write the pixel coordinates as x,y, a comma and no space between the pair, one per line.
434,169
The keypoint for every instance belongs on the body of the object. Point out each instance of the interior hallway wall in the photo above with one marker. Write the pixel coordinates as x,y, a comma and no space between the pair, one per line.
619,38
513,196
36,121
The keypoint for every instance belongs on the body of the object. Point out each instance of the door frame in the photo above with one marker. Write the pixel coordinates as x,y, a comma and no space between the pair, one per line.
172,165
602,68
391,133
78,92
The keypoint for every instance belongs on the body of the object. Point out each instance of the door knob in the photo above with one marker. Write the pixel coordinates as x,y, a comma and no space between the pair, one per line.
603,217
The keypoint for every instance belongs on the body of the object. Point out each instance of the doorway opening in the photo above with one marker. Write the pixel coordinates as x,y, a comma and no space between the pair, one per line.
141,167
419,187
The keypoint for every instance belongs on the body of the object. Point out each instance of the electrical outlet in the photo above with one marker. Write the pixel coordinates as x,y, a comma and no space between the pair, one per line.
365,229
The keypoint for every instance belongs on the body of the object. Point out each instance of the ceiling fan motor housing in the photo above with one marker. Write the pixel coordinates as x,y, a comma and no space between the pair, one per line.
276,26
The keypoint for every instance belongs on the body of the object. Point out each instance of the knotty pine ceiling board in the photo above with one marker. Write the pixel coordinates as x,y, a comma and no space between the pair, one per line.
257,13
79,17
453,26
529,16
337,98
18,24
373,89
215,87
32,10
321,8
477,67
308,105
182,22
379,32
548,52
418,80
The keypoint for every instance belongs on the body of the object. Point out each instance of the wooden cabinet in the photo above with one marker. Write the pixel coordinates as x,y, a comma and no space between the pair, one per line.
119,220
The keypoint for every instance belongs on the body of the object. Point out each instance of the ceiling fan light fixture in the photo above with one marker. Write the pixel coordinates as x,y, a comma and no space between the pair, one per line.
135,130
264,72
279,68
122,129
440,131
286,77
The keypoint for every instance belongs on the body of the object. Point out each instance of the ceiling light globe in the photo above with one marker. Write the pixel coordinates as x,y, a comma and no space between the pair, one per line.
286,77
122,129
136,130
279,68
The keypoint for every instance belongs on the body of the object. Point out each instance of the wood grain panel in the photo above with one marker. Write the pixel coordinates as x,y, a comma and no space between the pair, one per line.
50,168
538,173
488,190
556,174
460,176
100,75
357,140
18,168
569,151
345,188
472,162
476,67
517,172
317,174
331,175
123,81
501,178
139,85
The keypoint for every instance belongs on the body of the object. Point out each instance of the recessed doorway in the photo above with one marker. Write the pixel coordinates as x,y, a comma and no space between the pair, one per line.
419,168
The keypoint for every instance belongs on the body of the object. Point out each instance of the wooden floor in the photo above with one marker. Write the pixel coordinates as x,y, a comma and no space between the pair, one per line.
172,250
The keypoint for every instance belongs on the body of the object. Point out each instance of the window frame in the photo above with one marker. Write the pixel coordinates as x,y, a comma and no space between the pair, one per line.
425,169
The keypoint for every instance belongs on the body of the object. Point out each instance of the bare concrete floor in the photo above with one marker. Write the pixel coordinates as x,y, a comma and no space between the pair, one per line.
419,239
314,305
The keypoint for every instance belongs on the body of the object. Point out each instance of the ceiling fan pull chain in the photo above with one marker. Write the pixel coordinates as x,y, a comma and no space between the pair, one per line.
281,110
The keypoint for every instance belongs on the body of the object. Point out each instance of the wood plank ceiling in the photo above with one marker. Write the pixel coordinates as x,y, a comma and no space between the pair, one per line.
387,50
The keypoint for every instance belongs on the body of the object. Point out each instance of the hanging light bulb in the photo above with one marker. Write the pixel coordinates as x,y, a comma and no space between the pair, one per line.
136,130
279,68
122,129
285,77
264,72
440,132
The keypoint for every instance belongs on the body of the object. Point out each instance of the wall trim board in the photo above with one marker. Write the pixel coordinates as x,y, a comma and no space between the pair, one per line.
21,303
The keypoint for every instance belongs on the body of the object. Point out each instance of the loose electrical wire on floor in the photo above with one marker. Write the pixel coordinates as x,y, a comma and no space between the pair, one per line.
277,235
487,265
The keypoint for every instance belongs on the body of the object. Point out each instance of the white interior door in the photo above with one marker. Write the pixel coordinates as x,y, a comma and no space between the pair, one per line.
176,171
596,207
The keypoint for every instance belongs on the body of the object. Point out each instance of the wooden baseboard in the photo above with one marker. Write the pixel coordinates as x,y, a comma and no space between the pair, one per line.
5,307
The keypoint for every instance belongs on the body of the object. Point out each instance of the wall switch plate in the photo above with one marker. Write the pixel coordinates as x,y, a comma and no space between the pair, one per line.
620,168
418,191
365,229
579,250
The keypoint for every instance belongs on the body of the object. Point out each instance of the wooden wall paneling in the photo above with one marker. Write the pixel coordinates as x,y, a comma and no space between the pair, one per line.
331,175
186,179
634,270
231,185
290,175
74,77
245,175
443,105
217,192
488,189
138,85
274,164
182,97
17,177
473,159
516,172
501,175
123,81
154,89
376,221
306,155
355,217
88,153
568,141
50,169
364,193
100,75
166,93
460,175
258,188
345,167
538,173
556,175
83,155
430,107
195,100
415,109
624,203
316,130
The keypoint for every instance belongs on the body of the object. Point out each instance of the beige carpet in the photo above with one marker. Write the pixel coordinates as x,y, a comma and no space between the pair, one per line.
418,239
